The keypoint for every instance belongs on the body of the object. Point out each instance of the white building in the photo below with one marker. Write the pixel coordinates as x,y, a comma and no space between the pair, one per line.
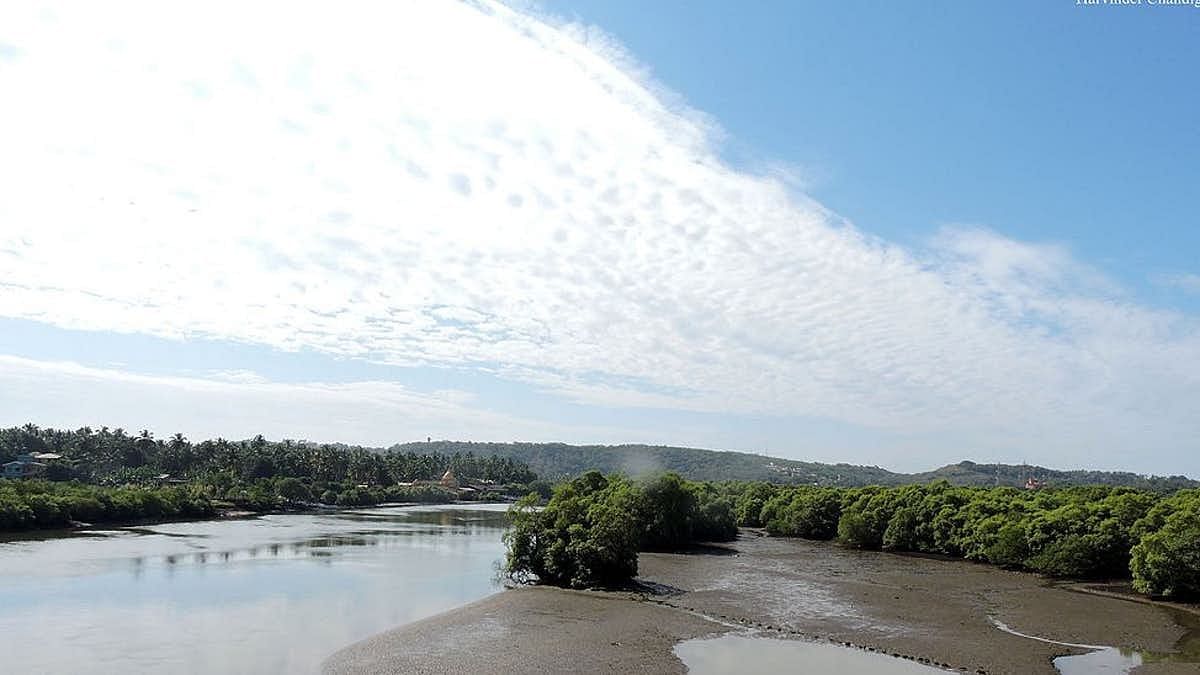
29,465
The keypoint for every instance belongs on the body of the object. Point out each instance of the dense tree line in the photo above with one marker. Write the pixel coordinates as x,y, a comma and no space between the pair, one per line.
559,461
114,469
112,456
590,531
37,504
1079,532
43,504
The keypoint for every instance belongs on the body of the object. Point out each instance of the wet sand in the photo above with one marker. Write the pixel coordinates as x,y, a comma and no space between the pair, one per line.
532,630
920,607
926,609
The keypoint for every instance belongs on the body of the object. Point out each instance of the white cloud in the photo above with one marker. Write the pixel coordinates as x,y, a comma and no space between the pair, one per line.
236,375
1183,281
70,395
459,184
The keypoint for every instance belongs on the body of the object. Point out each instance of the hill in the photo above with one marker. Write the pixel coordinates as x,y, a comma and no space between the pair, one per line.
559,460
970,473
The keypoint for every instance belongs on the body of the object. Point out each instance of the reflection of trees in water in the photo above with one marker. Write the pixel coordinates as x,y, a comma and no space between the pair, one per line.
457,529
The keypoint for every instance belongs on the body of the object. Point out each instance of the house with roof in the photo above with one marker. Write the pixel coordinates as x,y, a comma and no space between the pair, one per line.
29,465
449,481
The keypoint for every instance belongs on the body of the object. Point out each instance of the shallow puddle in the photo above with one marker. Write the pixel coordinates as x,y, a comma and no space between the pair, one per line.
1106,660
1103,659
1114,660
748,655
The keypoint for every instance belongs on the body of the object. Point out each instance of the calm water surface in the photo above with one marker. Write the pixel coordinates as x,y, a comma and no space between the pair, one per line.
266,595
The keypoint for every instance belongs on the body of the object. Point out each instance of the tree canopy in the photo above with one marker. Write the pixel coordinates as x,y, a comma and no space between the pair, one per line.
111,467
590,531
592,527
1092,532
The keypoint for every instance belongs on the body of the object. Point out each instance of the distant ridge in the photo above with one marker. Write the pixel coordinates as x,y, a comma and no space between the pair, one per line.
559,460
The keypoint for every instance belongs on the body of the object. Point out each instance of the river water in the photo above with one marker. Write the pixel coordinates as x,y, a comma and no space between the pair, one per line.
274,594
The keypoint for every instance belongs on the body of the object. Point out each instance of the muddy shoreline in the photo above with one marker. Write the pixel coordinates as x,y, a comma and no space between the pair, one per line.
925,609
219,514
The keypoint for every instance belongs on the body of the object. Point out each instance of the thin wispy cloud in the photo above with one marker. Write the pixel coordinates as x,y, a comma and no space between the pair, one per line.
464,185
1183,281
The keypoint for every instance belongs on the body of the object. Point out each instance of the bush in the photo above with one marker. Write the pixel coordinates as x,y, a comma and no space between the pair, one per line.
1011,549
292,490
587,534
421,494
749,505
590,531
715,520
355,497
1077,532
1073,556
865,520
811,513
668,513
42,504
1167,562
902,531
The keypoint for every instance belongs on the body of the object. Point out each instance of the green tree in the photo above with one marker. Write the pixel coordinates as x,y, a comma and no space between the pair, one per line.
292,490
668,509
1167,562
586,535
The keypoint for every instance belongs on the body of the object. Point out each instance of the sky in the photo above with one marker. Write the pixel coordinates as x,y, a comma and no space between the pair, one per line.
899,234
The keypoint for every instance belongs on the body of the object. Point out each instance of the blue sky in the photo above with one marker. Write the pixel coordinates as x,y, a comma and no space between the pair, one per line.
1043,120
892,234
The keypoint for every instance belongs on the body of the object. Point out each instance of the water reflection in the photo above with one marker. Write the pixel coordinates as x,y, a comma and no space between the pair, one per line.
748,655
416,532
1105,659
271,594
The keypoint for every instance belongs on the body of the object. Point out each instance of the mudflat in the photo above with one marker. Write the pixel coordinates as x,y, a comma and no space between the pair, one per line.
532,630
931,610
925,608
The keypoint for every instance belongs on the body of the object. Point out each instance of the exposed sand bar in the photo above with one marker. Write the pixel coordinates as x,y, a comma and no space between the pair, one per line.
532,630
932,610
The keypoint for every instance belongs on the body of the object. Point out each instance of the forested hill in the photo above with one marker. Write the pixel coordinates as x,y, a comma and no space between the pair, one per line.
559,460
970,473
107,456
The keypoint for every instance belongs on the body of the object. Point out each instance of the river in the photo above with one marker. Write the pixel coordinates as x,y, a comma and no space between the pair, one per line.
272,594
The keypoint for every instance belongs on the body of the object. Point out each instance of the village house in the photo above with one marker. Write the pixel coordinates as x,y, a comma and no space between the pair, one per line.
29,465
448,481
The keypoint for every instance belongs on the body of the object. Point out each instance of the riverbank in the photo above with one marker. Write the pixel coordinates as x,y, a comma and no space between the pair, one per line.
218,514
931,610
